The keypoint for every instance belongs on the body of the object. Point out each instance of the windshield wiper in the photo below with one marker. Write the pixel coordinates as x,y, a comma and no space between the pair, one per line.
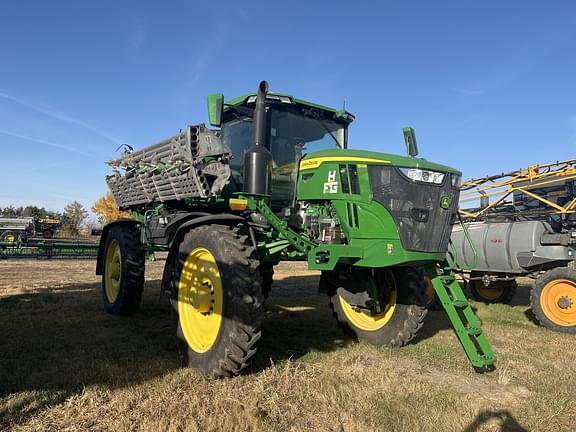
244,111
316,117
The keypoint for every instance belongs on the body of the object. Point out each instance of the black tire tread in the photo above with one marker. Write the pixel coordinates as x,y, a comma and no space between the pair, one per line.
245,288
133,269
409,317
267,273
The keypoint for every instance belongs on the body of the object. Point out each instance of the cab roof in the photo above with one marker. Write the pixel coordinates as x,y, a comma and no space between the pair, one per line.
283,98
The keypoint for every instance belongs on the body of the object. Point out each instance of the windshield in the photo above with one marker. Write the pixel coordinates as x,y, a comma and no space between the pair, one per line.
292,132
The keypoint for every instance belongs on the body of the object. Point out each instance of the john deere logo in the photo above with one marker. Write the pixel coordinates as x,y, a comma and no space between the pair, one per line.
445,202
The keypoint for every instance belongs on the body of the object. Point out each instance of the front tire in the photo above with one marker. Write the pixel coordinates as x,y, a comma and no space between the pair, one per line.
217,299
123,275
403,311
553,300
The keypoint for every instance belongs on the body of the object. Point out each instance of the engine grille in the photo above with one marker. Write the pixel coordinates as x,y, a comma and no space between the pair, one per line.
423,225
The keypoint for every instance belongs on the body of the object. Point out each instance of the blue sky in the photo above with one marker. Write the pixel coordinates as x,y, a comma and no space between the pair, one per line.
489,86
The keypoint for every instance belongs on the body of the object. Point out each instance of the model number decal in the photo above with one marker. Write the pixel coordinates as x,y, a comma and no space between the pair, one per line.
331,185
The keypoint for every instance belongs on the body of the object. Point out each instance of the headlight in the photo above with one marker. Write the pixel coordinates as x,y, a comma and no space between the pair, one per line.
455,180
425,176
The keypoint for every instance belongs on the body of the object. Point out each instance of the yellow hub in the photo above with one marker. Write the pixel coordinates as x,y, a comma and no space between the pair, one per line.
488,293
430,292
200,300
558,300
363,320
9,238
112,271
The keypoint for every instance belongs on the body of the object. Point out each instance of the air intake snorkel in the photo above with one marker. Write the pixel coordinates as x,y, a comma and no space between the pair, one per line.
258,159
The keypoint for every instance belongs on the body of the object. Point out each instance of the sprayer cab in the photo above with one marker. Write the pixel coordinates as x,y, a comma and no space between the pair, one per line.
269,133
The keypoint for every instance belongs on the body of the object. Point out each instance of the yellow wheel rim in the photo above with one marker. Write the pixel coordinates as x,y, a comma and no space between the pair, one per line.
430,292
365,321
112,271
486,292
558,300
9,238
200,299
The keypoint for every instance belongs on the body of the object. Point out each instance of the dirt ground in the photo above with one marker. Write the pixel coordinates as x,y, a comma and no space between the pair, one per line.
67,365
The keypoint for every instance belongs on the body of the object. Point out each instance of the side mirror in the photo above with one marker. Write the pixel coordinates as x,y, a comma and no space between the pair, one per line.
215,108
410,141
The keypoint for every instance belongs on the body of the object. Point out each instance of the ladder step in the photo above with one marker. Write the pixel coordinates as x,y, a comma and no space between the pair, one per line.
459,303
488,359
473,331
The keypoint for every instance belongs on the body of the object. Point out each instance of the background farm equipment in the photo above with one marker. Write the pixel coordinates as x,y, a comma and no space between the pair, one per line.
49,249
47,227
523,223
16,229
28,237
276,182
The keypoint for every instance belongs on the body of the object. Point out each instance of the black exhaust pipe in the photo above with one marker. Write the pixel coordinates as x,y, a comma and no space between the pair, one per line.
258,159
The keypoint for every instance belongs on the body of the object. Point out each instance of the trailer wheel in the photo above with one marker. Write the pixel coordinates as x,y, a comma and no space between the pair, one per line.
217,298
403,309
496,292
123,275
553,299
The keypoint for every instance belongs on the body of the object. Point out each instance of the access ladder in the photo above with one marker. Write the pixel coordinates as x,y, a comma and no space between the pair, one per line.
464,321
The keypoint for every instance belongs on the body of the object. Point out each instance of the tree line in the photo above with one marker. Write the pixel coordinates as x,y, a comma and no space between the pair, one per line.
74,217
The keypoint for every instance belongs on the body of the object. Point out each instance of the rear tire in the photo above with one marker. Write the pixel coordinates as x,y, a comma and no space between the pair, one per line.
403,314
123,275
496,292
216,294
553,299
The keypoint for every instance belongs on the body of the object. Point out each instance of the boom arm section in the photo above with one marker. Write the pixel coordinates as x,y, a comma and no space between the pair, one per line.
192,164
538,190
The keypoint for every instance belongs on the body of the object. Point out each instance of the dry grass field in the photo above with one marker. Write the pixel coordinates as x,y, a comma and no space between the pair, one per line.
65,365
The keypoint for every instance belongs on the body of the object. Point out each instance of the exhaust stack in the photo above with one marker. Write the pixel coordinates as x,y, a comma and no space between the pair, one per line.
258,159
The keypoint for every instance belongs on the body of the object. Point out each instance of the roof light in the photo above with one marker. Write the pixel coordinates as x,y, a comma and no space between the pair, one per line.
283,99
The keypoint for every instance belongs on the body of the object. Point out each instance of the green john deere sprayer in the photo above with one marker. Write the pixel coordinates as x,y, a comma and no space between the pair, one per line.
276,182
